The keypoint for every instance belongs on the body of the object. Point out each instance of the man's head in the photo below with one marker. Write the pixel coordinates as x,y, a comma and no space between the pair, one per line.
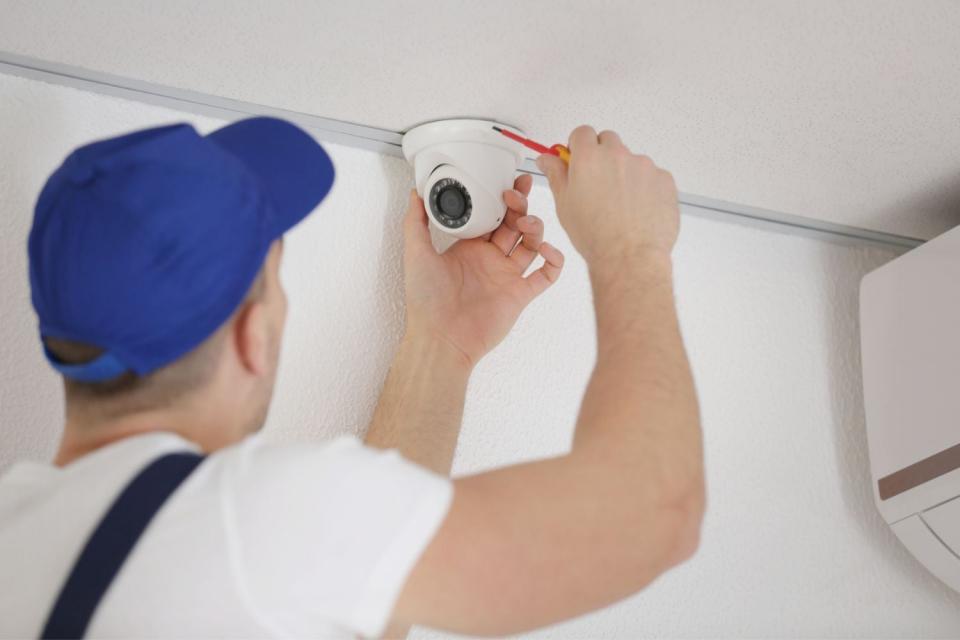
233,370
154,268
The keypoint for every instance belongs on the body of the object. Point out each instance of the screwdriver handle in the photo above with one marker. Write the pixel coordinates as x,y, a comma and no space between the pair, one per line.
562,151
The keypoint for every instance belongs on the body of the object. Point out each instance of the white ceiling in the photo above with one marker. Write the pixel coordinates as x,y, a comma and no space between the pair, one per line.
845,111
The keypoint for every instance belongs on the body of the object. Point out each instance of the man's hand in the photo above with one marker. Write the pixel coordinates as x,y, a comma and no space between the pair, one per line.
610,201
471,295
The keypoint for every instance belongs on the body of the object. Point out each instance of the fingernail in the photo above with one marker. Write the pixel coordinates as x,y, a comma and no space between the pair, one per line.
539,162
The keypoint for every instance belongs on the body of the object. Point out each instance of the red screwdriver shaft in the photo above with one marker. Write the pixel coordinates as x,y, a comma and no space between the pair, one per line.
556,150
527,142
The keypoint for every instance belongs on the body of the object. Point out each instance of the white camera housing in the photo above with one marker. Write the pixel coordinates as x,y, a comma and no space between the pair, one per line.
461,168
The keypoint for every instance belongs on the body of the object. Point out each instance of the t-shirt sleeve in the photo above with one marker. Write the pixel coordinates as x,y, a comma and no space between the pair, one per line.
326,534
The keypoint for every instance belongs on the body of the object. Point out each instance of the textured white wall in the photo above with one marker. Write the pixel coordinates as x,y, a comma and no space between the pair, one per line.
844,111
792,545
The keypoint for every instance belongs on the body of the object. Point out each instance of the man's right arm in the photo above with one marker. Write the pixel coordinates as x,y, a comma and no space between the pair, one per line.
536,543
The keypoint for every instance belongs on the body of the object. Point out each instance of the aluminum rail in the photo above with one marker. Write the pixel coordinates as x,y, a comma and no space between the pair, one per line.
388,142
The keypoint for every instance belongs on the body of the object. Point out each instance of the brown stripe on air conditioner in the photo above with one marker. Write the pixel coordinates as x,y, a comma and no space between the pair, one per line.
919,472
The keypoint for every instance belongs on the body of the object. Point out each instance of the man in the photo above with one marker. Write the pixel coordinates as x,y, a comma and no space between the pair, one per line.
154,263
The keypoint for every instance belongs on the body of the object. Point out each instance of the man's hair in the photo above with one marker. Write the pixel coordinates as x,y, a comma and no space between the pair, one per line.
129,392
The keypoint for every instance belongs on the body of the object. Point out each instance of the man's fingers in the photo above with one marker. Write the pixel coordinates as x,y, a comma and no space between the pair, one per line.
541,279
506,235
582,138
526,252
523,183
555,170
610,138
415,229
582,141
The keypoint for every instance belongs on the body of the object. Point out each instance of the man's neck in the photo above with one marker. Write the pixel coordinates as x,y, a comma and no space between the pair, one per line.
83,434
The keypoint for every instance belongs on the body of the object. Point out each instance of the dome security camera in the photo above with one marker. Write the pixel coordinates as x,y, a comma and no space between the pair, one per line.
461,168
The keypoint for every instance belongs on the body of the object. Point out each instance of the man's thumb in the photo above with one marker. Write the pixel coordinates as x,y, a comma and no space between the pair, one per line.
415,228
555,170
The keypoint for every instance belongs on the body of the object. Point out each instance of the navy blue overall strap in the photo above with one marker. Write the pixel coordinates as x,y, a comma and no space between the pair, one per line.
111,543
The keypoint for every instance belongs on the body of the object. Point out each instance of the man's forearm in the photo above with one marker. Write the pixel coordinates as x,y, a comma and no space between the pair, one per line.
421,406
640,408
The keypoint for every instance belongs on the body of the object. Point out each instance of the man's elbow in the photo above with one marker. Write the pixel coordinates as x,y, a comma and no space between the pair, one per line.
676,536
680,518
686,539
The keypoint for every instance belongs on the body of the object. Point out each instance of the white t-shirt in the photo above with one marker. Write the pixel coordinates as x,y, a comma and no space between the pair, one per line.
261,540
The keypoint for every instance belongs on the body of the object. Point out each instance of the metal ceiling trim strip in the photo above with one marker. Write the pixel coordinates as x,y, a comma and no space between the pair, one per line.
387,142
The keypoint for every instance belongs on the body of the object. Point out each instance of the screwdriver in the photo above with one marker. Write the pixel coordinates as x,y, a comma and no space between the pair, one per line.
556,150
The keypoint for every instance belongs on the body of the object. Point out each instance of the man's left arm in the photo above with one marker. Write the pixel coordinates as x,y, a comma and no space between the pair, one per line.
459,305
421,405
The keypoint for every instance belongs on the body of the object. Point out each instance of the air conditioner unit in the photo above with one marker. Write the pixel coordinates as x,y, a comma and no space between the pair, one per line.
910,346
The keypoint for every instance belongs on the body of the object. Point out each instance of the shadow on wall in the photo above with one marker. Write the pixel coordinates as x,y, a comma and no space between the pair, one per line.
842,286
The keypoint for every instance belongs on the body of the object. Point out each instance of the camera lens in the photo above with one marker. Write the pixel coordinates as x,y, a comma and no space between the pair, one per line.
450,203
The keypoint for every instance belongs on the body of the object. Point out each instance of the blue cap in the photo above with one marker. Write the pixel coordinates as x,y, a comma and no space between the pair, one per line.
143,245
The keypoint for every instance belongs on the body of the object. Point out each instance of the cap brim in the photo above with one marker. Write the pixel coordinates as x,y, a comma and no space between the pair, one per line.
293,168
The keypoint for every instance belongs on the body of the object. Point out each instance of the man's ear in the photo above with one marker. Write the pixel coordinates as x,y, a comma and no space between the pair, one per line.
251,335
